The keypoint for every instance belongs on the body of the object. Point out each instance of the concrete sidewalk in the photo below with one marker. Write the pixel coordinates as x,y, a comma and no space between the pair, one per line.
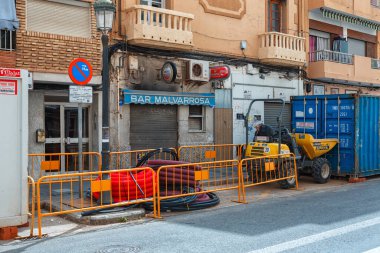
56,226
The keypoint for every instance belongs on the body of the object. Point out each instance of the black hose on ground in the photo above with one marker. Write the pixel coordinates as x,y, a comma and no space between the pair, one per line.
187,203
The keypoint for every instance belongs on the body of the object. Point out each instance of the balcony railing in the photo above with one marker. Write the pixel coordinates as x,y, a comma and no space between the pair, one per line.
148,25
333,56
282,48
7,41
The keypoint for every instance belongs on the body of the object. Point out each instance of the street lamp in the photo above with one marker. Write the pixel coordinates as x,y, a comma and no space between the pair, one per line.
104,12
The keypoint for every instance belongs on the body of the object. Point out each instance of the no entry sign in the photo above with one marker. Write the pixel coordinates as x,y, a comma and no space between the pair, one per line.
80,71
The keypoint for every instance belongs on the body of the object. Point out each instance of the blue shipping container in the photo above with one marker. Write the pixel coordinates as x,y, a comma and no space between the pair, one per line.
353,119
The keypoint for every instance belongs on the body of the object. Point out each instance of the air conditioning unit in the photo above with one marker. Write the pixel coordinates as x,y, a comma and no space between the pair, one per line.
198,70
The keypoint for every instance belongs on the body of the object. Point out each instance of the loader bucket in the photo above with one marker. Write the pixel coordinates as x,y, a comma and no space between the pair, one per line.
315,147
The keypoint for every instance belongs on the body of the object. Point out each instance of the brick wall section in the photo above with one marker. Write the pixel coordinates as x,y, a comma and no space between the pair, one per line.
52,53
7,59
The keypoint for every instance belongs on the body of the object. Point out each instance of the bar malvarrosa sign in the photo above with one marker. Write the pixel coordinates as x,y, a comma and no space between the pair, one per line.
169,98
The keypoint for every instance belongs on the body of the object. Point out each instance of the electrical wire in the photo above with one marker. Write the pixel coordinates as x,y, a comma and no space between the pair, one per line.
241,61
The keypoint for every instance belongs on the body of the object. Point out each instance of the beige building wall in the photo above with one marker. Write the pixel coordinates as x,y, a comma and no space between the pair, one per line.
220,26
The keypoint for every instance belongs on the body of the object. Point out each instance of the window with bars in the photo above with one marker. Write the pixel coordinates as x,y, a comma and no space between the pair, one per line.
7,40
196,118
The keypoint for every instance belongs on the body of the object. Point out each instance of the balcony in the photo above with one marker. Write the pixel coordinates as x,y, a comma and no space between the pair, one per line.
156,27
366,9
343,68
282,49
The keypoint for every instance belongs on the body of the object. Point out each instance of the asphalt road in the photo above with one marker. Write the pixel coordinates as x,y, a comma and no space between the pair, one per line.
344,219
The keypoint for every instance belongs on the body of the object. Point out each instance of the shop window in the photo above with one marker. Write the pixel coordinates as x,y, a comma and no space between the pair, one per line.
196,118
275,17
7,40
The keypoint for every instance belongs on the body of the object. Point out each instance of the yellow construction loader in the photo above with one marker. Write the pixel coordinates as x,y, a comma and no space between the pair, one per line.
307,150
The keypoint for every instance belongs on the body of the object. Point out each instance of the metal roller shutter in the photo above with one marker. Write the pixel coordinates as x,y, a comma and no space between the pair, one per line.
153,126
272,110
70,18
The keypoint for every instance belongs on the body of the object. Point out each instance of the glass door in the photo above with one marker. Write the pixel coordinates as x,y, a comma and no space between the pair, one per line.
61,127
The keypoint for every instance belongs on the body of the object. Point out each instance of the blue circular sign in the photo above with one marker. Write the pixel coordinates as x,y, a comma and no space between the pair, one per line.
80,71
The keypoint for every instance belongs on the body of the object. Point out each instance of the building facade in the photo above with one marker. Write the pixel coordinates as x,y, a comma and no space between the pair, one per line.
184,72
51,34
260,43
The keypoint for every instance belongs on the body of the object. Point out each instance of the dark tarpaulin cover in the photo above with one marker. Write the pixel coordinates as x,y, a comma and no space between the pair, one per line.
8,19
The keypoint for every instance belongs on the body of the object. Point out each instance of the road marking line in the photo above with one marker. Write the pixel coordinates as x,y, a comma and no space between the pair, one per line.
375,250
318,237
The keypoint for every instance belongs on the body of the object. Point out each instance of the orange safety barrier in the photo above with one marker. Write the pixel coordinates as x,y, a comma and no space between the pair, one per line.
268,169
129,159
106,189
58,163
208,153
181,180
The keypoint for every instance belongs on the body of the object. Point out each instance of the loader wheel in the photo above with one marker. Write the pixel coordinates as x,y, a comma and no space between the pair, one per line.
321,170
290,182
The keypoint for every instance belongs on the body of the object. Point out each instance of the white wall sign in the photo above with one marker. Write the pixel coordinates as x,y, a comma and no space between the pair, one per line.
80,94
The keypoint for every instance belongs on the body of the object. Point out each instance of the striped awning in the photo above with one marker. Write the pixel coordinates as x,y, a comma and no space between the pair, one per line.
332,14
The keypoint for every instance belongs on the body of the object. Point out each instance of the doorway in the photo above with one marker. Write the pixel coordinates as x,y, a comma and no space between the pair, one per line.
61,130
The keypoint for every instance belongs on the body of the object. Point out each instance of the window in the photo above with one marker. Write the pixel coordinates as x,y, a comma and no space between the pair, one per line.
351,92
196,118
334,91
318,42
7,40
319,89
65,17
275,15
375,3
356,47
153,3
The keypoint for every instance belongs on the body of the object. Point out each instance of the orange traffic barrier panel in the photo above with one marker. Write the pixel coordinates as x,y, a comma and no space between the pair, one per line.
268,169
89,191
60,163
182,180
209,153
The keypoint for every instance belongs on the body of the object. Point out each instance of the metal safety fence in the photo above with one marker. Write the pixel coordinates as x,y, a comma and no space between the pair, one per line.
129,159
209,153
159,184
268,169
196,179
89,191
62,163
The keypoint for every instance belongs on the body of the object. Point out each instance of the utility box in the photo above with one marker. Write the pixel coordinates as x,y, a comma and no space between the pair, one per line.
13,147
